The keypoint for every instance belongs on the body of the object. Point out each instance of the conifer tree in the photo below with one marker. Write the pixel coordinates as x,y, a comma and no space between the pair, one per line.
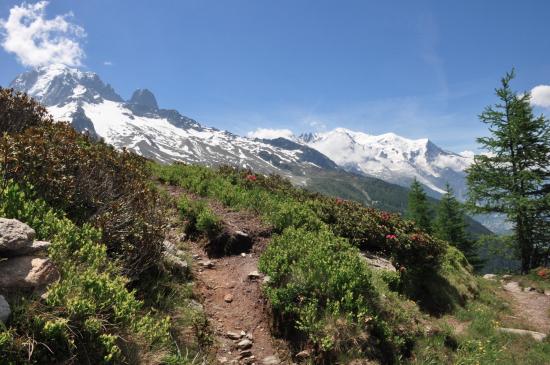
513,178
450,225
418,207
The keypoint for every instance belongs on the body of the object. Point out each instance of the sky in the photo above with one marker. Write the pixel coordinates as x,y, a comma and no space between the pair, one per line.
416,68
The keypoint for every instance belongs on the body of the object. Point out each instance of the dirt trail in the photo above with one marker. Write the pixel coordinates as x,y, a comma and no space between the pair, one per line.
530,307
232,300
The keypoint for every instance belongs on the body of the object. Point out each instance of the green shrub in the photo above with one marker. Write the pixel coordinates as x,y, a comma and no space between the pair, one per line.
89,312
92,183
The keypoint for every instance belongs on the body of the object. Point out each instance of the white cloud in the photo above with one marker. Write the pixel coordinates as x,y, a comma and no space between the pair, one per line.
37,41
266,133
540,96
107,63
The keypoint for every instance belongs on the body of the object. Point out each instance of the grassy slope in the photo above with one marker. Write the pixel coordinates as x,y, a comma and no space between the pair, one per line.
374,192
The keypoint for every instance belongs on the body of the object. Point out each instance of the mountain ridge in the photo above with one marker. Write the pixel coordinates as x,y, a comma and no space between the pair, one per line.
141,125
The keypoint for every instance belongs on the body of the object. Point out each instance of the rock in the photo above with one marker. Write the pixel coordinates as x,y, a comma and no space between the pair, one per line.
245,353
171,248
222,360
207,264
254,275
489,276
195,305
377,262
241,234
547,292
538,336
506,277
249,360
233,335
528,289
267,279
15,235
302,355
243,254
250,336
271,360
244,344
5,310
27,272
228,298
176,263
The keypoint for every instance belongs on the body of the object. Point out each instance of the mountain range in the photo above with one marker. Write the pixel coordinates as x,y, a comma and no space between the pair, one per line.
372,169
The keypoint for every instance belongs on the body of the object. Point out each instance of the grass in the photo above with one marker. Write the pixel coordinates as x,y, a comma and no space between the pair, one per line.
478,341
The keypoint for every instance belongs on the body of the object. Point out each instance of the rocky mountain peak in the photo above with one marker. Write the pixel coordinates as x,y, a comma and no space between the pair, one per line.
60,84
144,98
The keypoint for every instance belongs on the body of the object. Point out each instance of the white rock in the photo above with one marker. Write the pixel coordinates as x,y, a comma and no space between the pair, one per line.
5,310
244,344
271,360
538,336
254,275
489,276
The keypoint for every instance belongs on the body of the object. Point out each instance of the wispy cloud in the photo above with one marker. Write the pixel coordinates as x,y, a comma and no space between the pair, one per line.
107,63
37,41
540,96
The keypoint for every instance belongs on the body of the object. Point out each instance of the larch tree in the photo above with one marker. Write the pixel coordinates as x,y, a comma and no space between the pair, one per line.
513,177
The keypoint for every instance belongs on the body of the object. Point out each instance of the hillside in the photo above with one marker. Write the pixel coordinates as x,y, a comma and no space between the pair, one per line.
140,125
134,262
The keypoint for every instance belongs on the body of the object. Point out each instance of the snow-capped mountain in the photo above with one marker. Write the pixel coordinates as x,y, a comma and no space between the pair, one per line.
393,158
317,161
138,124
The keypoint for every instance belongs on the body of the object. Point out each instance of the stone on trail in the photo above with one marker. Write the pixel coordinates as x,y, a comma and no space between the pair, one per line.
5,310
254,275
244,344
489,276
271,360
233,335
228,298
538,336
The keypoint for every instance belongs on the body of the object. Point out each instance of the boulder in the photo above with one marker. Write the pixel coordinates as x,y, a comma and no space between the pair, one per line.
254,275
27,272
377,262
15,235
176,263
5,310
538,336
489,276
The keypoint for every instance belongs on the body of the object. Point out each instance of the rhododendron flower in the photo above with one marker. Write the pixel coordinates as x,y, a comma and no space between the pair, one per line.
391,237
251,177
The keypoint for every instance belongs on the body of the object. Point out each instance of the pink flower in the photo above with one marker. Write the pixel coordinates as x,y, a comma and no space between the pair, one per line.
391,237
251,177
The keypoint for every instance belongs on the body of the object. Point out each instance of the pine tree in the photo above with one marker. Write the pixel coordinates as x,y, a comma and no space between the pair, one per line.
450,225
513,178
418,207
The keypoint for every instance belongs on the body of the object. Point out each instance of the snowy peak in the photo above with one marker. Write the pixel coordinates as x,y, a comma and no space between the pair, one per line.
392,158
60,84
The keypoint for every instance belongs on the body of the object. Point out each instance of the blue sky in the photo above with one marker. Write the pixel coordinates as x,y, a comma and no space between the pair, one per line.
416,68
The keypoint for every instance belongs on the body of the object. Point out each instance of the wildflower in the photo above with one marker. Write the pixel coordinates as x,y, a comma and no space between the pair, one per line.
339,201
251,177
391,237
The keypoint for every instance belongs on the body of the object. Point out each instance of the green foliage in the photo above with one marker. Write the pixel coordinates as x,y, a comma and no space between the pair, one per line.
92,183
199,217
513,178
321,283
320,286
418,208
450,226
89,307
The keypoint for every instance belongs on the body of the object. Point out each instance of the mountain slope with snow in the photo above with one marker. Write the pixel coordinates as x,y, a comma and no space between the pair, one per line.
393,158
140,125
